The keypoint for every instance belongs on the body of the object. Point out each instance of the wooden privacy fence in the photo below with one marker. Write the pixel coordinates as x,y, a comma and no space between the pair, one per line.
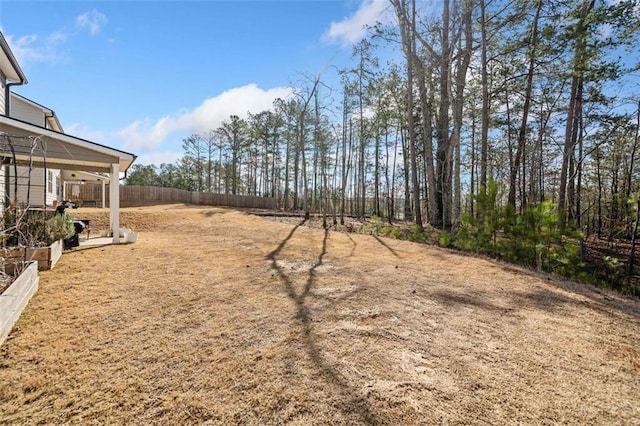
90,193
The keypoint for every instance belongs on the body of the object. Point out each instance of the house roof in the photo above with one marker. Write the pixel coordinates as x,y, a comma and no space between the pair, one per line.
57,150
50,115
9,65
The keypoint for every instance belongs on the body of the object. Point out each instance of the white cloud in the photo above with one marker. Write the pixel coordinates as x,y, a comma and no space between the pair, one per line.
146,134
92,20
354,28
57,37
158,158
83,132
34,48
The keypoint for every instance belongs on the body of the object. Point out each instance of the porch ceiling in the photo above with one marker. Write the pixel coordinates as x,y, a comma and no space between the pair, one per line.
83,176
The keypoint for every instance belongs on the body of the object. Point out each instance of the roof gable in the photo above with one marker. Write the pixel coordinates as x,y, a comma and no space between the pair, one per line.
49,116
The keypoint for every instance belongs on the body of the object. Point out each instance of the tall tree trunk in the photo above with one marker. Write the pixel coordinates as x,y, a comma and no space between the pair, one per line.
376,177
484,142
408,210
362,139
388,194
578,188
344,170
599,204
574,166
633,240
522,134
334,185
296,175
305,182
275,166
407,29
464,59
632,160
457,187
392,192
426,105
412,129
443,153
575,104
287,160
472,177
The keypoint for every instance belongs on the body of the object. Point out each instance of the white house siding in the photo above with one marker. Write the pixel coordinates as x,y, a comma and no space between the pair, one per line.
56,187
26,111
39,186
22,110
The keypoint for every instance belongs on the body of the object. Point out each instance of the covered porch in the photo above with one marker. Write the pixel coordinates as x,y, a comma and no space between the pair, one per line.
72,179
25,144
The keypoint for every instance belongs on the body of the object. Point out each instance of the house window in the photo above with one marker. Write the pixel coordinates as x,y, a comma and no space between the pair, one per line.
57,185
49,182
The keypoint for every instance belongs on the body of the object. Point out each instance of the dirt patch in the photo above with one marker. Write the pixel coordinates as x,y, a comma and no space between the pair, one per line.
219,316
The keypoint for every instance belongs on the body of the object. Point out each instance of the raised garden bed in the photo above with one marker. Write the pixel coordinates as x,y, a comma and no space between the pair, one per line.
14,299
47,257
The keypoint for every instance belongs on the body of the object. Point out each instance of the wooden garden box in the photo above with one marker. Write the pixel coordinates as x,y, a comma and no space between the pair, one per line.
47,257
14,299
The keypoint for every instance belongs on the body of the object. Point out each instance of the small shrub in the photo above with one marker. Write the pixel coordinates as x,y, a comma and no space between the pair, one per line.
445,239
59,227
395,232
416,235
613,269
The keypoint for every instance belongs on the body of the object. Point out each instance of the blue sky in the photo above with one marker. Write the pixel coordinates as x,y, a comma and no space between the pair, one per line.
142,75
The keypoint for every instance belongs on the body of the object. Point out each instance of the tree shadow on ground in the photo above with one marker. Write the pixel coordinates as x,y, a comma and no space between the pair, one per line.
385,245
354,245
541,299
80,249
217,212
355,405
453,299
598,299
549,294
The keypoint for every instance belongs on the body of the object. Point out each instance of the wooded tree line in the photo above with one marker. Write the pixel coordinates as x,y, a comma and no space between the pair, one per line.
539,97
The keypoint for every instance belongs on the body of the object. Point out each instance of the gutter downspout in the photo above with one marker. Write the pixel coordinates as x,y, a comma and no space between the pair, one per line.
7,96
45,119
7,110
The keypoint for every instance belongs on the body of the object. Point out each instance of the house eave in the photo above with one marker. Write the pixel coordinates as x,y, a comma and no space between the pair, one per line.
21,129
9,65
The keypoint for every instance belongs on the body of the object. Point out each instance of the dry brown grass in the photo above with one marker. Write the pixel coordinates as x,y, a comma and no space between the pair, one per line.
218,316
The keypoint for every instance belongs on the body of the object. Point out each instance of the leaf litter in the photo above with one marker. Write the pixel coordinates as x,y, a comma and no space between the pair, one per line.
219,316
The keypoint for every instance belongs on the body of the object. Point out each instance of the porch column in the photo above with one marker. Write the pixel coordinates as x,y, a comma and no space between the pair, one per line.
104,205
114,202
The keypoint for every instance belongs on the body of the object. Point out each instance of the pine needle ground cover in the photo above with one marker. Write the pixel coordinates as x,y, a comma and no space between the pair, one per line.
219,316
